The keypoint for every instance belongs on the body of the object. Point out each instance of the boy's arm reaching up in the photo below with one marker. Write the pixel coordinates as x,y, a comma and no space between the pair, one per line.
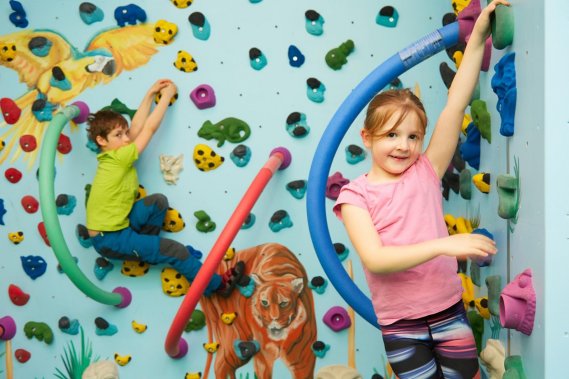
445,135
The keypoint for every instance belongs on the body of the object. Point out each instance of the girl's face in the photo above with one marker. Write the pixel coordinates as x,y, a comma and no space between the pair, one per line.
393,153
117,138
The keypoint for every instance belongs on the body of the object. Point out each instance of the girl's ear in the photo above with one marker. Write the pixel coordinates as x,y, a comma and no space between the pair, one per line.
366,138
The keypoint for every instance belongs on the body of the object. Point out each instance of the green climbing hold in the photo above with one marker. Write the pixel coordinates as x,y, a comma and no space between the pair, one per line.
508,199
119,107
502,23
204,223
337,57
231,129
465,184
481,118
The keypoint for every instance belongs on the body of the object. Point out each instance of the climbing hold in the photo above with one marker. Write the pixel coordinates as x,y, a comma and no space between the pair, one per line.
204,224
203,96
22,355
447,74
206,159
280,220
13,175
246,286
314,23
7,328
102,267
342,251
170,166
508,196
90,13
504,86
318,284
502,24
119,107
315,90
337,318
319,349
467,290
297,188
104,328
477,325
387,16
196,321
16,237
334,184
185,62
10,109
42,109
249,221
494,284
174,284
59,80
295,57
354,154
182,3
82,235
68,326
60,269
246,349
450,181
65,204
481,118
481,305
28,143
138,327
164,32
39,330
173,221
240,155
296,125
394,84
517,303
18,16
231,129
194,252
229,254
257,59
482,181
465,184
211,347
228,317
122,360
43,233
64,144
200,26
129,14
3,211
134,268
17,296
30,204
514,368
470,149
159,96
338,56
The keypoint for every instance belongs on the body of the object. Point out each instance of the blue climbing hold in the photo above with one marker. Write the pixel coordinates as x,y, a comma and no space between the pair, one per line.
470,149
90,13
280,220
257,59
295,57
102,267
129,14
296,125
315,90
200,26
34,265
241,155
314,22
18,17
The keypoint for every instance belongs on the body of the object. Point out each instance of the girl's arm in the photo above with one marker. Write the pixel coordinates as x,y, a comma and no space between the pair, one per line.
143,110
445,135
381,259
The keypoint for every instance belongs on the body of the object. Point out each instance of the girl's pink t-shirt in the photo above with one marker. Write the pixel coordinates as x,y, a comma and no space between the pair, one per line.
406,212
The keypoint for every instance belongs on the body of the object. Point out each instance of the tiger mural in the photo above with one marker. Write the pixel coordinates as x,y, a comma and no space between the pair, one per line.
279,315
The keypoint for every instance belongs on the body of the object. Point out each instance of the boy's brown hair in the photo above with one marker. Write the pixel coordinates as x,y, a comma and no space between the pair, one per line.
103,122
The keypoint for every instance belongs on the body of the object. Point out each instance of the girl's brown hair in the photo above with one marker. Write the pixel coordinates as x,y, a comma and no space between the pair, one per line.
386,104
103,122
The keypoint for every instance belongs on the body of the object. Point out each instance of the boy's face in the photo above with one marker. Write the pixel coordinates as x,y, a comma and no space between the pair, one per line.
118,137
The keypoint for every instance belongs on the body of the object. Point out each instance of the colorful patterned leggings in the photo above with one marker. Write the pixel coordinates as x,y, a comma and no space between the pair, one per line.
436,346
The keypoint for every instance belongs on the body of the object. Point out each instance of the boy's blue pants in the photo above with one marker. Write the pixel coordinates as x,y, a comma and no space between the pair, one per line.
141,242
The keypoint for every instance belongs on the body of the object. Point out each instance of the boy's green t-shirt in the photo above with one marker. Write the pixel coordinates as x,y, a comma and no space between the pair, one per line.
113,190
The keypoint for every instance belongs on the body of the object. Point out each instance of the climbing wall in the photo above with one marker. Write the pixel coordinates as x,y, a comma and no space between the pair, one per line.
265,63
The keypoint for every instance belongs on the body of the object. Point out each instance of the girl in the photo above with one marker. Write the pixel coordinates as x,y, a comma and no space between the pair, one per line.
394,218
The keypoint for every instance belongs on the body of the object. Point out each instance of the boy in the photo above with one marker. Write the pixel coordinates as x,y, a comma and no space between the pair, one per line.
119,226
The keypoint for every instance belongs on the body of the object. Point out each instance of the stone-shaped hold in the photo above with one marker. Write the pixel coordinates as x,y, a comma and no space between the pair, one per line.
65,204
104,328
228,317
465,184
240,155
16,237
481,118
22,355
13,175
334,184
17,296
173,221
102,267
314,22
200,26
185,62
196,321
30,204
296,125
338,56
10,109
295,57
257,59
138,327
315,90
203,96
64,144
318,284
42,109
341,250
482,181
204,224
18,17
245,349
508,196
83,236
68,326
470,149
129,14
120,107
502,25
337,318
134,268
492,357
246,286
58,79
43,233
249,221
514,368
494,284
38,330
206,159
174,284
504,86
90,13
182,3
319,349
297,188
280,220
122,360
170,166
28,143
387,16
354,154
229,129
164,32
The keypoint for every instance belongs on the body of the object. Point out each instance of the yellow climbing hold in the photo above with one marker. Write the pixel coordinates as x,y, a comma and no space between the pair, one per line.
206,159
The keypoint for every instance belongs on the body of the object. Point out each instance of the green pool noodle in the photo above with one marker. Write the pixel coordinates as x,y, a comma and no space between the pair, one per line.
508,203
494,284
465,184
481,118
514,368
502,23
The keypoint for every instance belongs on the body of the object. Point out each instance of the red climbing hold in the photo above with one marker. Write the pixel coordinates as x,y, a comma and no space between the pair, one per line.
22,355
13,175
64,144
30,204
43,233
18,296
28,143
10,110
